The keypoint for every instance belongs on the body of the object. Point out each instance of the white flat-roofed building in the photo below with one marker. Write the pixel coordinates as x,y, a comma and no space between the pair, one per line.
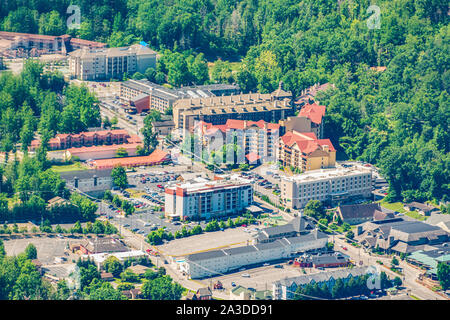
210,199
326,185
99,258
216,262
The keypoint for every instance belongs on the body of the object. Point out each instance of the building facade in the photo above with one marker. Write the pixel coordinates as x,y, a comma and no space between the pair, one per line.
89,181
210,263
305,152
64,141
309,119
143,94
258,140
106,63
270,107
326,185
207,199
285,289
14,44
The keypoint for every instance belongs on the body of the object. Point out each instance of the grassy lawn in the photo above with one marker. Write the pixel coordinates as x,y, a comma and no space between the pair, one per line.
415,215
396,206
68,167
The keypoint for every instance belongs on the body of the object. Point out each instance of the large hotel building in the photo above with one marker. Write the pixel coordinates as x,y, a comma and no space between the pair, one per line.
143,95
106,63
258,139
208,199
269,107
326,185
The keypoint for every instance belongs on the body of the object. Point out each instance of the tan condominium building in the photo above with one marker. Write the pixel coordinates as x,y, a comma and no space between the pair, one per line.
269,107
107,63
326,185
303,151
143,95
309,119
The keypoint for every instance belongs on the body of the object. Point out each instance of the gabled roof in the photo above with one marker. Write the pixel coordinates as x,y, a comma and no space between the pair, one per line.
307,142
353,211
313,111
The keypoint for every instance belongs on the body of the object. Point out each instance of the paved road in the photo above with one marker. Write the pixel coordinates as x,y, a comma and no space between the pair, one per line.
138,242
410,274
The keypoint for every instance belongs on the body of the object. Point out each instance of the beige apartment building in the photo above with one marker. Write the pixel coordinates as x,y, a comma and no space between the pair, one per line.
309,119
106,63
326,185
303,151
269,107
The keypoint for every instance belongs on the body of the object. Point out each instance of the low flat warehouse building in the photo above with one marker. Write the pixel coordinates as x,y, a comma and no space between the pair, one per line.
215,262
208,199
93,182
326,185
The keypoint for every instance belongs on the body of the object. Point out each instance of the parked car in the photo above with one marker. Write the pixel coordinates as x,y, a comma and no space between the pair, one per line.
246,275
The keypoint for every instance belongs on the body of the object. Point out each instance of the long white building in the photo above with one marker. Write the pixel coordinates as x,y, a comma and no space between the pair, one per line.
216,262
326,185
208,200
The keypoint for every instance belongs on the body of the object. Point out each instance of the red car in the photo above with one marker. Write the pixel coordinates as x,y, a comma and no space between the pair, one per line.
160,186
345,248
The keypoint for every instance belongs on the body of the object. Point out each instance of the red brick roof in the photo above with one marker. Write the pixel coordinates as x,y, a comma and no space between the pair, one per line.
156,157
237,125
313,111
126,146
306,141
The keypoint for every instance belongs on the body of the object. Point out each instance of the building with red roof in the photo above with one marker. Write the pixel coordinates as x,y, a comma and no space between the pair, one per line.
64,141
309,119
258,139
302,150
103,152
157,157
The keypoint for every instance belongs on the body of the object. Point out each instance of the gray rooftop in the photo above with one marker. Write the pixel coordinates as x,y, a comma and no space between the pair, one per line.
206,255
85,174
323,276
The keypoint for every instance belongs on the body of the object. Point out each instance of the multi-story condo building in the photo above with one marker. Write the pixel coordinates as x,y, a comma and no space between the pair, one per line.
106,63
12,43
309,119
305,152
285,289
143,94
258,140
326,185
270,107
87,139
207,200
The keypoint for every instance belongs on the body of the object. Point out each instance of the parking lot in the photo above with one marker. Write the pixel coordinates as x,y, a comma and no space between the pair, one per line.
47,247
208,241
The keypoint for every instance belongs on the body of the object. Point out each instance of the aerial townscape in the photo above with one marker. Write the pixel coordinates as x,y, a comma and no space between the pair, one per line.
224,150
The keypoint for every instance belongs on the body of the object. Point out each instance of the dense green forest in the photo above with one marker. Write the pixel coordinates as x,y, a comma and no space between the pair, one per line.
396,119
39,104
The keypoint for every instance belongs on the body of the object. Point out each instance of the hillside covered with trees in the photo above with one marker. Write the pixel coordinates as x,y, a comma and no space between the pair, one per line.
396,119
